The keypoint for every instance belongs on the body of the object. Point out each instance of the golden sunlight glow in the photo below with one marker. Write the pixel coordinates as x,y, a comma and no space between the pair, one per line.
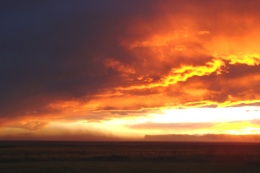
183,73
214,115
231,120
248,59
244,131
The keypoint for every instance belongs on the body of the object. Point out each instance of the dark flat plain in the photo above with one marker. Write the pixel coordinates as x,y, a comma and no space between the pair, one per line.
29,156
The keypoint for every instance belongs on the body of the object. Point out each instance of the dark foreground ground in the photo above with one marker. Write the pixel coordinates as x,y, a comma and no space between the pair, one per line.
143,157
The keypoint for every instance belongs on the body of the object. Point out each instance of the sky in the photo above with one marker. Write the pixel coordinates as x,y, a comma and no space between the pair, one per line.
120,70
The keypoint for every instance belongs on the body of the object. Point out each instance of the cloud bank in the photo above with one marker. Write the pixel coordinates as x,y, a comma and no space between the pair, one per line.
95,61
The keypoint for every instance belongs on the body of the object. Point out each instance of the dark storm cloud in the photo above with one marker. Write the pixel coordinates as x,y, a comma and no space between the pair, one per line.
54,50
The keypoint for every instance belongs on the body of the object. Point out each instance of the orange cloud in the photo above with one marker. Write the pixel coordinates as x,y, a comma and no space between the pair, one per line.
30,125
168,55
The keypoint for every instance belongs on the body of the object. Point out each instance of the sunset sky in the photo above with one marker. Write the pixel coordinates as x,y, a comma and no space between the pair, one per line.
123,69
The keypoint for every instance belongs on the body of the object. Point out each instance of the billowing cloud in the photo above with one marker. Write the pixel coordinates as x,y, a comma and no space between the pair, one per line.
96,61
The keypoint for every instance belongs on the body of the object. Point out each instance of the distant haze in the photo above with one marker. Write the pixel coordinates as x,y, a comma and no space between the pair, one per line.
204,138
